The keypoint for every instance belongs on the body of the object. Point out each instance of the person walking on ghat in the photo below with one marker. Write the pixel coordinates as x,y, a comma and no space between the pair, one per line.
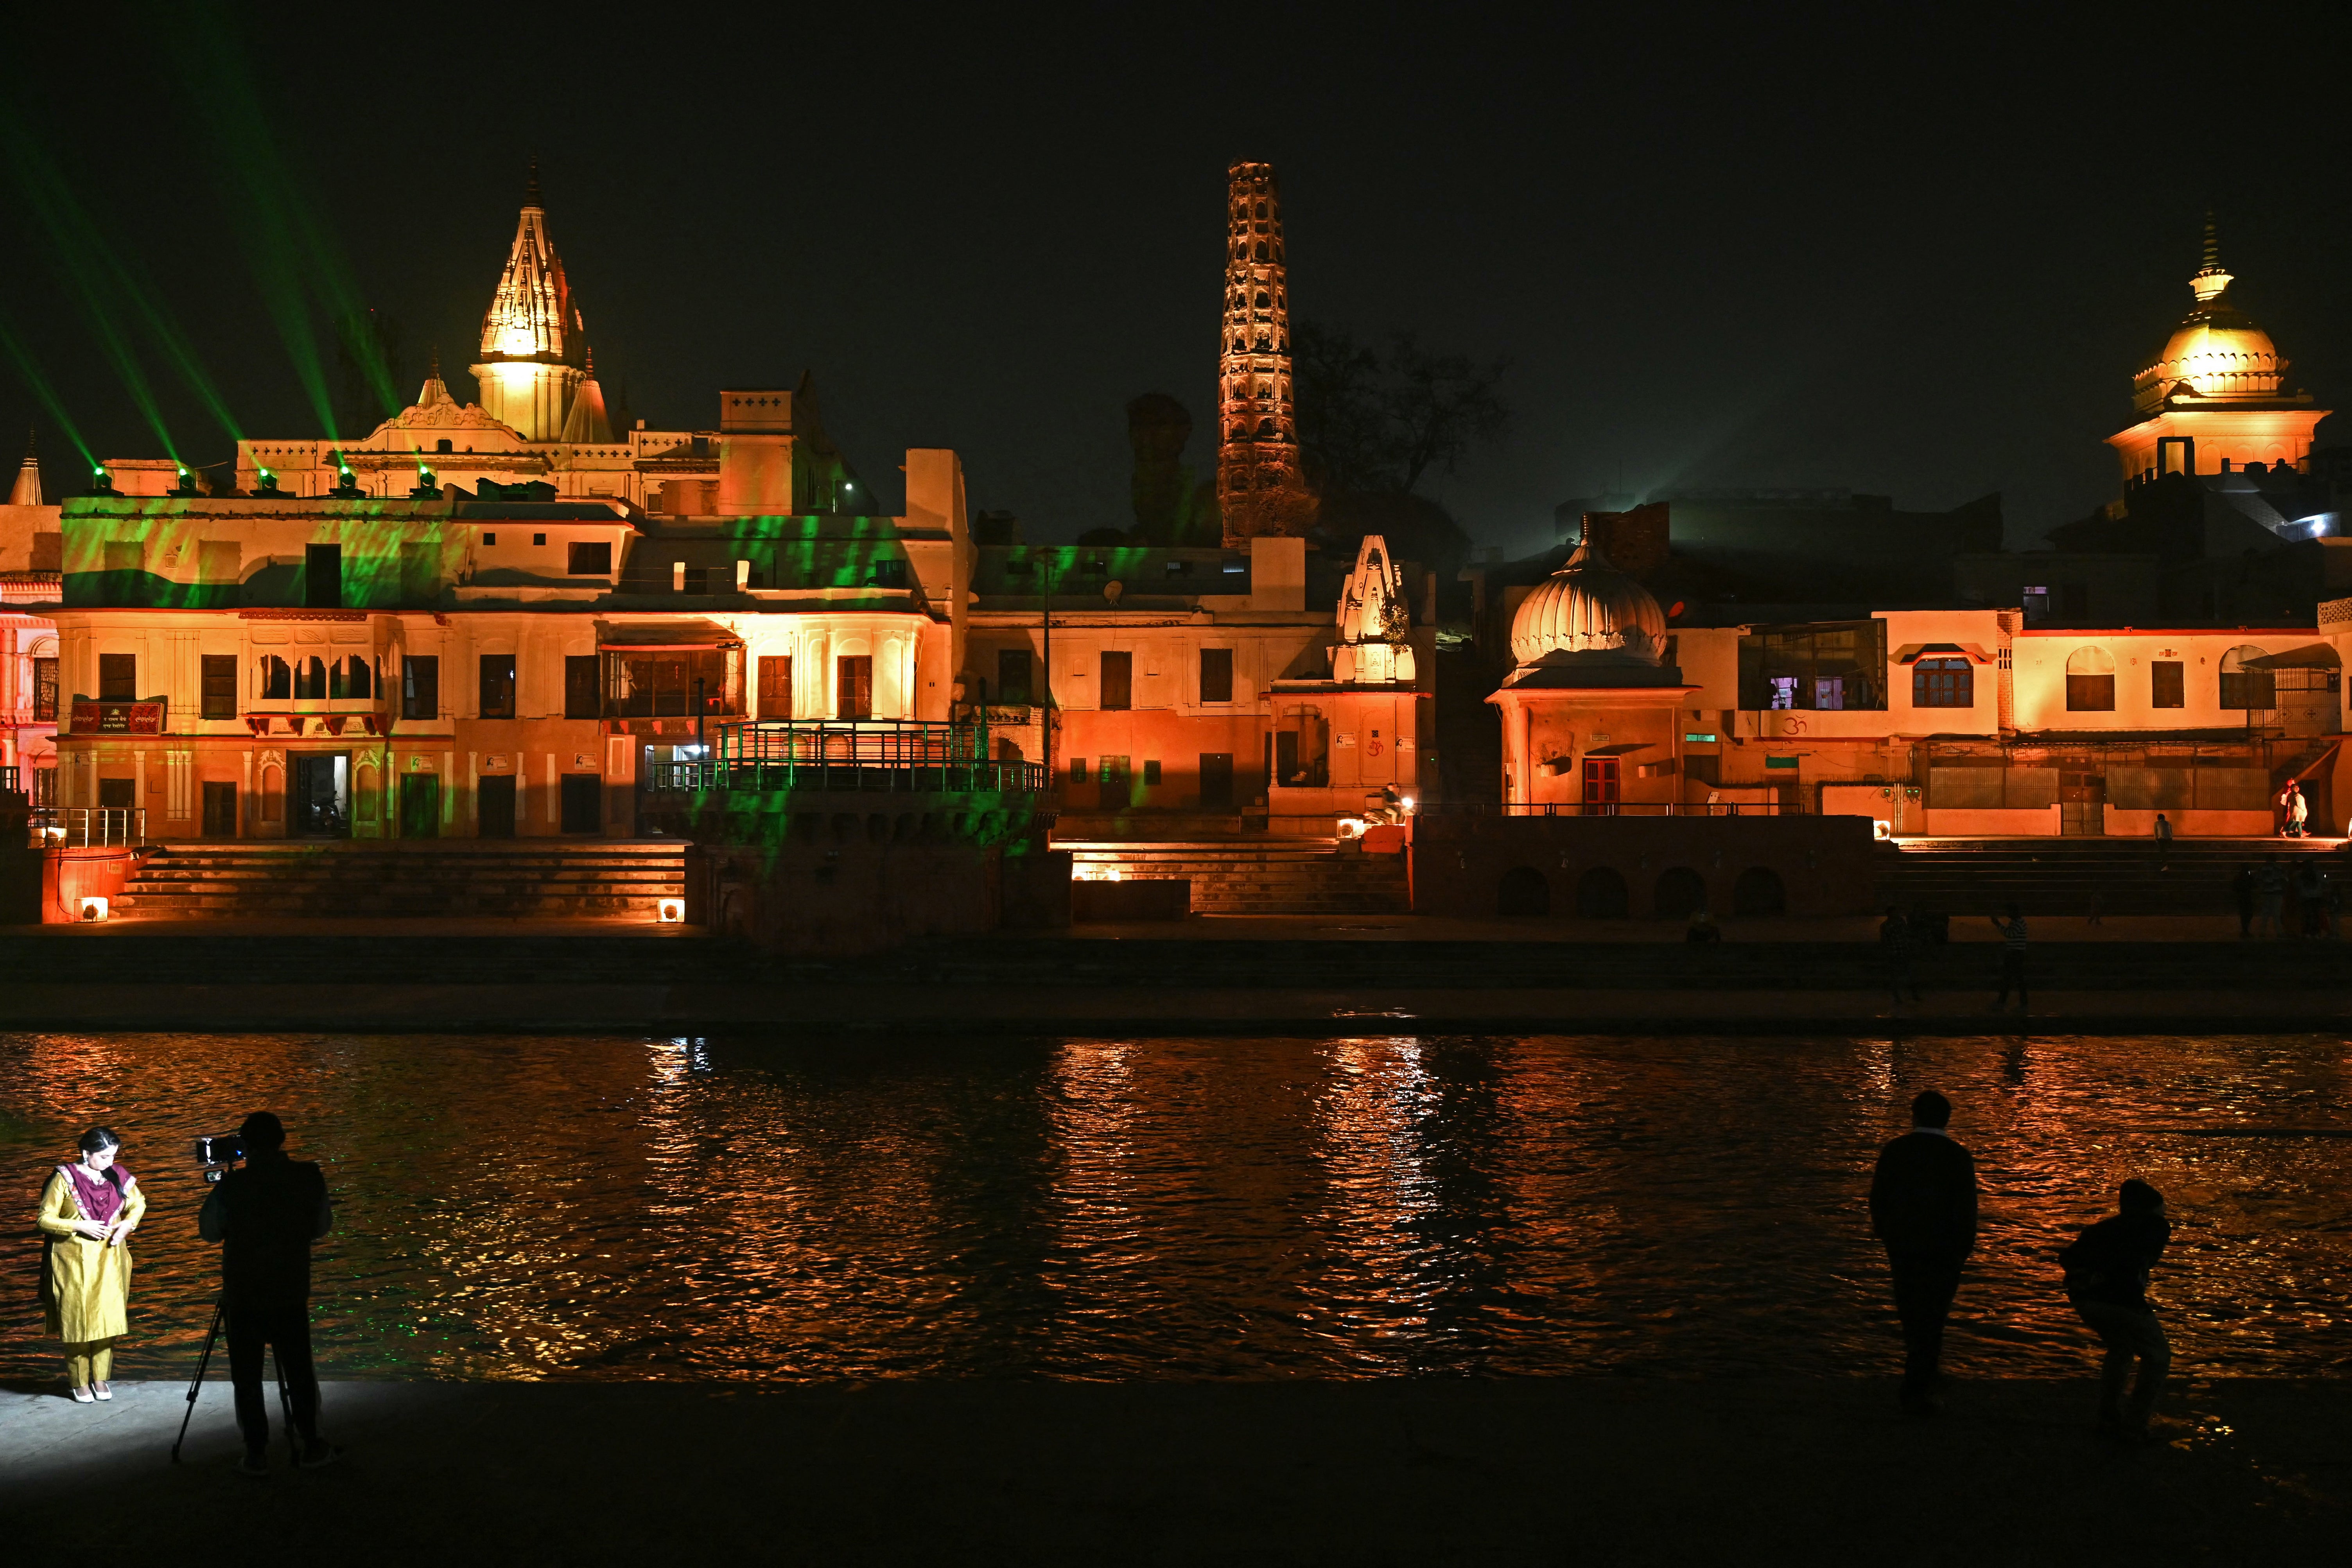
2107,1281
1923,1208
1895,943
2012,926
266,1215
89,1210
2270,893
2297,809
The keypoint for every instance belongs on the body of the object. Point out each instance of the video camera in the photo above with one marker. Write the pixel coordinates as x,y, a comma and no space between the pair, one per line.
219,1152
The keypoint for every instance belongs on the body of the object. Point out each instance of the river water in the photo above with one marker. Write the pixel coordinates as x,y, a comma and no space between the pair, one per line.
575,1208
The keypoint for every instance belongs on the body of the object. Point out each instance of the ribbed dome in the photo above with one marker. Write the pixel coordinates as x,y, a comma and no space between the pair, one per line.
2217,349
1588,612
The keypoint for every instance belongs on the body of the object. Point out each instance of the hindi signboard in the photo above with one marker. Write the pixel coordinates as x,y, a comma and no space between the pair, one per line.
118,717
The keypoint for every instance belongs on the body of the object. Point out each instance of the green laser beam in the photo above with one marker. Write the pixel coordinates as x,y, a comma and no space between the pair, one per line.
302,267
30,369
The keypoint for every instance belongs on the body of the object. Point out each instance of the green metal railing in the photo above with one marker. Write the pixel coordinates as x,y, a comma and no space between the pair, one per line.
885,756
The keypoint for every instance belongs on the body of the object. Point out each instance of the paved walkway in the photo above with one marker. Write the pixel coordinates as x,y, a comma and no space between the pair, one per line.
1388,1472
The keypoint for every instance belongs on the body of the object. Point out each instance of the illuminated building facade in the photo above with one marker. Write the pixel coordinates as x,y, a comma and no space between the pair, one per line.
509,665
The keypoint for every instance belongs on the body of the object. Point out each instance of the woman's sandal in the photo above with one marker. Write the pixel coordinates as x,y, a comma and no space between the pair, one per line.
84,1396
102,1391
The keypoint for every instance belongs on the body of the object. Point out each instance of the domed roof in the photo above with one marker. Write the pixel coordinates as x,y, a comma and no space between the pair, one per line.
2217,351
1588,612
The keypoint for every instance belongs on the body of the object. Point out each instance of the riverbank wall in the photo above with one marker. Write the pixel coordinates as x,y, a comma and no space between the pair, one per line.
403,976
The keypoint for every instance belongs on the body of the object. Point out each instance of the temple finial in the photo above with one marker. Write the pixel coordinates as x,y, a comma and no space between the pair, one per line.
530,191
2209,279
435,371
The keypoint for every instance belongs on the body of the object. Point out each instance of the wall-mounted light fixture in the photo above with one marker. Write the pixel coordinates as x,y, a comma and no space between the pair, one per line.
93,909
671,912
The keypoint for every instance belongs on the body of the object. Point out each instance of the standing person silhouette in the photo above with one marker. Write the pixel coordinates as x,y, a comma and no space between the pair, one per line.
2107,1279
1922,1207
266,1215
2013,937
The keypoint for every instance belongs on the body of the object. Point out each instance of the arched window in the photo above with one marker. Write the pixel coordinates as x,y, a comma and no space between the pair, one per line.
2090,681
352,678
277,679
1943,683
2247,688
309,679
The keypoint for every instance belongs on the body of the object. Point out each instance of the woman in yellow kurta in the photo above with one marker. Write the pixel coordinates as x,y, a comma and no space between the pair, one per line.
87,1212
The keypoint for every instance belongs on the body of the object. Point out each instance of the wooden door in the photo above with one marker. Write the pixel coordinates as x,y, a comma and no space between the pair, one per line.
495,798
1600,786
2081,804
1216,781
220,810
420,806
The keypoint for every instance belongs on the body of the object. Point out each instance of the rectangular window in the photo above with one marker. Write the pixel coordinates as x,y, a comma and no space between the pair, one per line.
1943,683
1829,663
589,561
118,677
420,686
1117,680
854,674
118,794
45,691
2091,693
323,576
1151,770
653,682
2168,685
497,686
581,698
1079,774
775,685
1216,675
219,671
888,573
538,539
1013,677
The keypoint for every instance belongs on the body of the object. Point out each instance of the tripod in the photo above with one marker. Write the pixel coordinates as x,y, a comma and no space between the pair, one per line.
285,1397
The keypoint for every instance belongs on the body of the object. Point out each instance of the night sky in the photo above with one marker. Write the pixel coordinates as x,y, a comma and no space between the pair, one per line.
1903,251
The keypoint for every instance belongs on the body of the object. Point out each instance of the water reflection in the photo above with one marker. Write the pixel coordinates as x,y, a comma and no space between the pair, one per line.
1355,1206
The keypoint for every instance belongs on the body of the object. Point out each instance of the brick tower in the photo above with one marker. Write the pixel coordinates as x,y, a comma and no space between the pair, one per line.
1260,489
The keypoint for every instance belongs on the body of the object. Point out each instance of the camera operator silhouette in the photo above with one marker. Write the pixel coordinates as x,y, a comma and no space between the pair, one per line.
266,1215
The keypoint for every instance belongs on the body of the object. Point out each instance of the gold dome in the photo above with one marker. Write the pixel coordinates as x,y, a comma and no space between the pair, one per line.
2216,351
1588,612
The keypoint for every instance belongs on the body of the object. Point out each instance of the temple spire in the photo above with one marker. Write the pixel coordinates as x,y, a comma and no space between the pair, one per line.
2209,279
532,336
27,488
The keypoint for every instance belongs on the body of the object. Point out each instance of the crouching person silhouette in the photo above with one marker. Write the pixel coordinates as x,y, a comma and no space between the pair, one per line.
265,1214
2107,1279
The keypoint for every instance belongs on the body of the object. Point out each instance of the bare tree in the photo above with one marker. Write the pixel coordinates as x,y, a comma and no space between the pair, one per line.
1371,424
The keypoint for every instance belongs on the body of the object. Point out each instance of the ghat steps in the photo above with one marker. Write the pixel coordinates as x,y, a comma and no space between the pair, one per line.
1257,876
618,879
2061,875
